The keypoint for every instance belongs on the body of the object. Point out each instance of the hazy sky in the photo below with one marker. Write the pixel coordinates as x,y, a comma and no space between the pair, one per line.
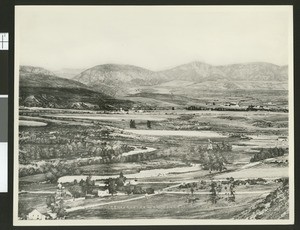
151,37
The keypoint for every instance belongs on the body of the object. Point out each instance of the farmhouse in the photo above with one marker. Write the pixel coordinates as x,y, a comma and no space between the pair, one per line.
35,215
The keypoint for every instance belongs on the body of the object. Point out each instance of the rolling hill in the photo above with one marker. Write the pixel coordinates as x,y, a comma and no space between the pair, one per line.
116,79
42,88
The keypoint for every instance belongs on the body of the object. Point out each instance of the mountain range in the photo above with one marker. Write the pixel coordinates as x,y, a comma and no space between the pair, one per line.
122,79
105,86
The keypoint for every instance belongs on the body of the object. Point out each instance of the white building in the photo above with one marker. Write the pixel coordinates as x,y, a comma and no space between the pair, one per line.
103,193
35,215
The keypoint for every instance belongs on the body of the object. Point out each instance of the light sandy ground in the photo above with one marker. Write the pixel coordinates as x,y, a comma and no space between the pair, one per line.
141,174
117,117
31,123
221,193
202,134
250,173
138,151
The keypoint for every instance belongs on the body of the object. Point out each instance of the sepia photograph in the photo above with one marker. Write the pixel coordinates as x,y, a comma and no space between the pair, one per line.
153,115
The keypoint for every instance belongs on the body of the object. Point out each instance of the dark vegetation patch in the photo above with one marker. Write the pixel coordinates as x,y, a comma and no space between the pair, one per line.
268,153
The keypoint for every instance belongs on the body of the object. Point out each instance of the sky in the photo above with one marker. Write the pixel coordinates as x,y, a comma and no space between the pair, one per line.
157,38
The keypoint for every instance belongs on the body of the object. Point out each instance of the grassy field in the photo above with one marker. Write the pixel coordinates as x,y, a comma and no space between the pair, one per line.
166,206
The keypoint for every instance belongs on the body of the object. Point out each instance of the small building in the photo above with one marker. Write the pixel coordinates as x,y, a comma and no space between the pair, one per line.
102,193
35,215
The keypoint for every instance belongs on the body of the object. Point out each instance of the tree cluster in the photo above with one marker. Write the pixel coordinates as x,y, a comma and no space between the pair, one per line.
115,184
268,153
214,158
56,203
75,148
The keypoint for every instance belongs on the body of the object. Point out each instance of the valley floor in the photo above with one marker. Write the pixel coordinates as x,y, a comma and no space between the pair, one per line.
162,157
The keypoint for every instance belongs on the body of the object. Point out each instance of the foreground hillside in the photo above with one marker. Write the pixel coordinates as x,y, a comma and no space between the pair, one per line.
42,88
274,206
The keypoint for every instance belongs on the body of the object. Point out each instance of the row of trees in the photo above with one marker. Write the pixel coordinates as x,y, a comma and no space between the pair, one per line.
268,153
54,170
227,108
215,189
103,149
113,185
79,189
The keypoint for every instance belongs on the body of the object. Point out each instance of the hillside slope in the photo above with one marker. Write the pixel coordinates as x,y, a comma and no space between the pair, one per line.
274,206
116,79
68,72
41,88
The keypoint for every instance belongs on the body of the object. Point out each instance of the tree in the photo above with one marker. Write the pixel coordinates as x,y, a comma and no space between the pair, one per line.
105,132
219,188
137,190
129,189
213,192
61,212
132,124
50,200
76,190
192,190
51,177
150,190
232,193
89,184
111,186
22,209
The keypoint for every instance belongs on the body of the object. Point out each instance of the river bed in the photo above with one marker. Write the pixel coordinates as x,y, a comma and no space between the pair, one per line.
141,174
